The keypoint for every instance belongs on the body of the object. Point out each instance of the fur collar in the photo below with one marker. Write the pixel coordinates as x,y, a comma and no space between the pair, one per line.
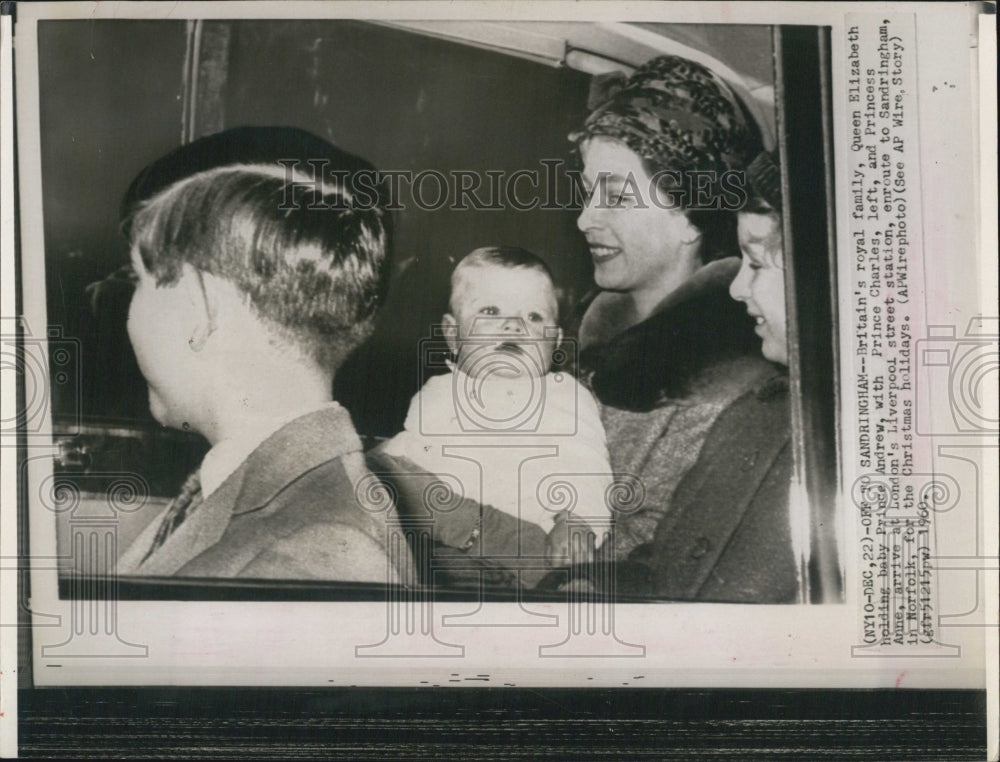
697,328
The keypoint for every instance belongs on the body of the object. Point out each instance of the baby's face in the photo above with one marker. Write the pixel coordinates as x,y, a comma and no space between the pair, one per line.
507,322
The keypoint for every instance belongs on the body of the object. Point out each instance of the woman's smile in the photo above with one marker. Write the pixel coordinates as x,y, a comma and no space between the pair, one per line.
601,253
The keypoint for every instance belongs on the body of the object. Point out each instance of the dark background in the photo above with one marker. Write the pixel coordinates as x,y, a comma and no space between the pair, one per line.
116,95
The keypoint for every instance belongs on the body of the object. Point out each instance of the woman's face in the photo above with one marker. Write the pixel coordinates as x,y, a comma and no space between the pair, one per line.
636,241
760,283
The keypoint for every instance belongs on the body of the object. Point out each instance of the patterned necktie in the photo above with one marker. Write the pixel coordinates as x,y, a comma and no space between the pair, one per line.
182,506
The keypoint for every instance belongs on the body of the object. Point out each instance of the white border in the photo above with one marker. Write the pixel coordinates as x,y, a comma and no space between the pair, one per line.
223,643
8,401
988,247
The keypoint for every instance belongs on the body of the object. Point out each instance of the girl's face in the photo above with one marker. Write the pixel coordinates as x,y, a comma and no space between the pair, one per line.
637,242
760,283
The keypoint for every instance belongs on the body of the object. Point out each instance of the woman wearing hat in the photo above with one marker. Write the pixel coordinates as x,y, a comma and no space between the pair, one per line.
663,346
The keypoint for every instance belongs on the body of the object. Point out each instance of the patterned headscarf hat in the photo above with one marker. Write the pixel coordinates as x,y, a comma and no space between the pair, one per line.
679,116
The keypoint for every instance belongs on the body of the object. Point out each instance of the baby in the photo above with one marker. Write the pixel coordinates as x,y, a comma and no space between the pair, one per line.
516,435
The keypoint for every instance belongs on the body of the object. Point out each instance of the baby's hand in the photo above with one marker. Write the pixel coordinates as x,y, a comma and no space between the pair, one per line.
569,543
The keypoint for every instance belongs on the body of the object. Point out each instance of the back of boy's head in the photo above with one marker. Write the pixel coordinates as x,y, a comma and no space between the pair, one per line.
508,257
311,266
277,146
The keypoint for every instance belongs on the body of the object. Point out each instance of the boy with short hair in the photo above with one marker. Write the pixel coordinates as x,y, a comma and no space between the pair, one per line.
247,299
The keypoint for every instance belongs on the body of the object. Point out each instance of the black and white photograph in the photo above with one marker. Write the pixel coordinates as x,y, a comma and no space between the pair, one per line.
473,347
360,303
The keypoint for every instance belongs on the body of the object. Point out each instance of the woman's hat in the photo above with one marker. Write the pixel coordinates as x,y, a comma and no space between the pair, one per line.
678,115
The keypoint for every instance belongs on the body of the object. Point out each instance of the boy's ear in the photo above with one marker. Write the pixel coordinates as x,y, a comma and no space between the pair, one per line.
450,326
202,293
